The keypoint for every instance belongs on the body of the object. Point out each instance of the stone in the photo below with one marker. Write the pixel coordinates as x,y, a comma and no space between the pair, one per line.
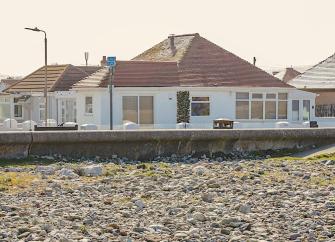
245,208
199,217
208,197
92,170
46,170
199,170
140,204
65,173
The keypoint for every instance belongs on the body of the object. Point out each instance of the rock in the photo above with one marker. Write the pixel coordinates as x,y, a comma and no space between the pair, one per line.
208,197
246,208
92,170
330,162
46,170
294,236
199,170
139,204
65,173
199,217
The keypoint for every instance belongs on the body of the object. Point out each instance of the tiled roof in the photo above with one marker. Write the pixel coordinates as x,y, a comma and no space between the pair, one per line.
287,74
59,78
202,63
10,81
320,76
134,74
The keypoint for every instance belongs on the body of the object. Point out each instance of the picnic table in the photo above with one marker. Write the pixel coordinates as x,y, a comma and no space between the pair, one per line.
223,123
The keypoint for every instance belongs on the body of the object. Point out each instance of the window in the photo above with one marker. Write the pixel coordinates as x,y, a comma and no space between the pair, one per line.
89,105
17,109
257,106
242,105
282,105
200,106
295,110
306,109
4,108
42,111
138,109
270,106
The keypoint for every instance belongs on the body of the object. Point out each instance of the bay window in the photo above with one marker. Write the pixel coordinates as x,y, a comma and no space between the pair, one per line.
270,106
260,106
282,105
257,106
200,106
242,105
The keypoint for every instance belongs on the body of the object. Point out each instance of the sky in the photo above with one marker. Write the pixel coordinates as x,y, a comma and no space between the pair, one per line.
278,33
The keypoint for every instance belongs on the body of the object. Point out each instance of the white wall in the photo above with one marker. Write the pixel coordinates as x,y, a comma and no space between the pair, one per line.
222,105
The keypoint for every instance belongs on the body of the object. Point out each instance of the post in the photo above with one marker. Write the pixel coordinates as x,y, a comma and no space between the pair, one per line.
46,79
110,87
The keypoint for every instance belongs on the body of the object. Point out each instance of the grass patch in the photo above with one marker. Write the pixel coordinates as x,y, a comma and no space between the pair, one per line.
12,180
27,162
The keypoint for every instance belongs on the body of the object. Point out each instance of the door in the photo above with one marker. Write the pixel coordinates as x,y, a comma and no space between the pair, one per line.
68,111
306,109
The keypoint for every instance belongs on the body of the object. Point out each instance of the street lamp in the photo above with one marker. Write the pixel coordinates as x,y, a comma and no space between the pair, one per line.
45,72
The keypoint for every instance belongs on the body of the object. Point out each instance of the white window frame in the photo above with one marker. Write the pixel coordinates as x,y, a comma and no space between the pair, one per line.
271,100
138,107
86,108
256,100
41,109
264,102
18,104
282,100
201,96
243,100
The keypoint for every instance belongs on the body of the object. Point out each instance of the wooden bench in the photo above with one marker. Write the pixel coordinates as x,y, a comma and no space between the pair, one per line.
58,128
223,123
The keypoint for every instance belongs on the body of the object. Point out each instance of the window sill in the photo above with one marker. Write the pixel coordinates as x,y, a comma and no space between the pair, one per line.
88,114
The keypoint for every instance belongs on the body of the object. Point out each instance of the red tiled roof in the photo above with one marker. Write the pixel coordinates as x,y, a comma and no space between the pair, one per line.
288,74
135,74
203,63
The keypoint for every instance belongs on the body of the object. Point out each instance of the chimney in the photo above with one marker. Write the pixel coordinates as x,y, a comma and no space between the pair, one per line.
172,46
254,61
103,62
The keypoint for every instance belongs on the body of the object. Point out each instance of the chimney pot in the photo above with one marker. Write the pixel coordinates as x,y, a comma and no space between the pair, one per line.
172,45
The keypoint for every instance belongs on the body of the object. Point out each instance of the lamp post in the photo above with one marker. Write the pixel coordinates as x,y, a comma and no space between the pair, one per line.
45,72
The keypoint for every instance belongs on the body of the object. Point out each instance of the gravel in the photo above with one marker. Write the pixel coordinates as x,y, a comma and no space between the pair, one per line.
205,200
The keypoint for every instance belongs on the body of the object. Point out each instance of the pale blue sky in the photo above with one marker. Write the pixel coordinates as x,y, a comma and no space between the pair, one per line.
279,33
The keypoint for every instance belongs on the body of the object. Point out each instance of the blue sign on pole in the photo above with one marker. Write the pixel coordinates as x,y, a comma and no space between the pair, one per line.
111,61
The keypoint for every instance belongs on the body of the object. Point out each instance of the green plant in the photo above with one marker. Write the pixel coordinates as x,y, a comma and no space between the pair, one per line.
183,107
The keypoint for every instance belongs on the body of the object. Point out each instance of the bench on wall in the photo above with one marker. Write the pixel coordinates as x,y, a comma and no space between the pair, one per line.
58,128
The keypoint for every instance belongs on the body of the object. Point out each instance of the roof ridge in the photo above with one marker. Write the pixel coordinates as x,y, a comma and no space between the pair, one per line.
59,78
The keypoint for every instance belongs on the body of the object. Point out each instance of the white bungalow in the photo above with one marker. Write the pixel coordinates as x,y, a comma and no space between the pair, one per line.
219,83
26,100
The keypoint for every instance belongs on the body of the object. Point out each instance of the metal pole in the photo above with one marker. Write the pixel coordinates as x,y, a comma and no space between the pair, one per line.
46,78
111,79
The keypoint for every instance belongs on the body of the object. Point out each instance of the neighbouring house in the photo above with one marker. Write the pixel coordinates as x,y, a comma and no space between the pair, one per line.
320,79
7,82
27,95
287,74
219,84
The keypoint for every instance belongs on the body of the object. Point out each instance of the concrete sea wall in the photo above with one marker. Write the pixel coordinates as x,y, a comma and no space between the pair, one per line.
147,144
